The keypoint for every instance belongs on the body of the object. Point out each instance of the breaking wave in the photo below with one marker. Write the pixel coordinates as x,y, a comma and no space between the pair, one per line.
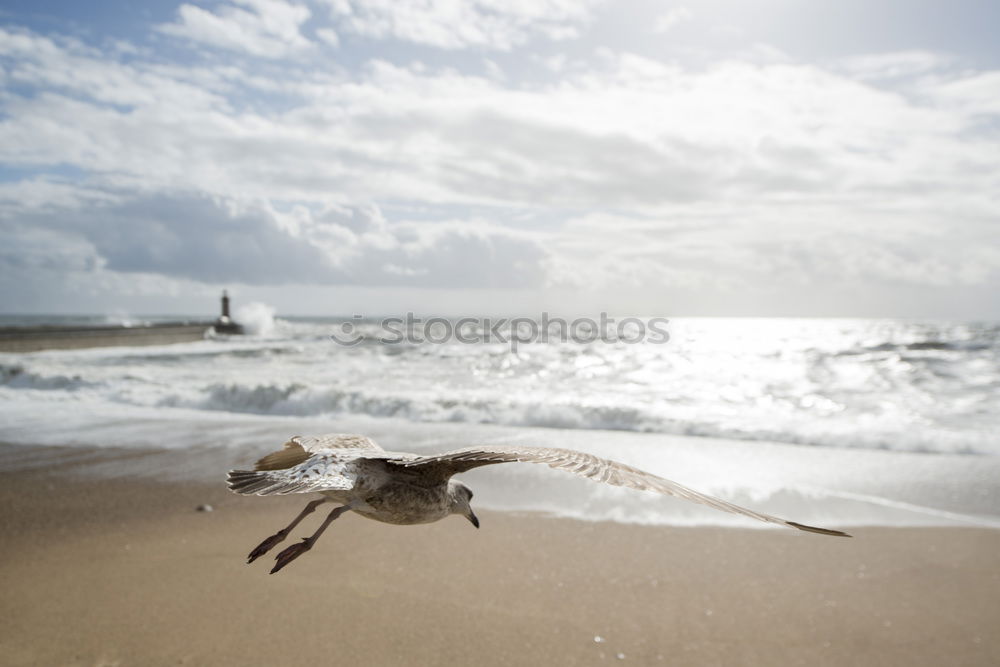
890,385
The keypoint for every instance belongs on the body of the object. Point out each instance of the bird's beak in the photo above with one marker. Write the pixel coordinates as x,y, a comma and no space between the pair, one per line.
471,516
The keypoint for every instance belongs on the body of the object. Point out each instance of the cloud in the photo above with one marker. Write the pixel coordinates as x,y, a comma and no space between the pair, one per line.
671,18
187,235
976,95
807,248
616,171
630,132
266,28
444,24
328,36
894,64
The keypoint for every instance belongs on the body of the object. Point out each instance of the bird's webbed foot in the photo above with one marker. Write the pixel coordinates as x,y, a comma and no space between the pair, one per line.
291,553
279,536
267,545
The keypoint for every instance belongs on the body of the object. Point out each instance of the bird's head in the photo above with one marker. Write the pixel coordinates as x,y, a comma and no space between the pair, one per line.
461,496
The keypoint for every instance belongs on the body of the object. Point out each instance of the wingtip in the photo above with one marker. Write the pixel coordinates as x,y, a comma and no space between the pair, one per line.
820,531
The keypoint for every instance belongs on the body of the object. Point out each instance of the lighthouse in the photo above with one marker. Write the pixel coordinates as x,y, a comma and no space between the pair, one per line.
225,324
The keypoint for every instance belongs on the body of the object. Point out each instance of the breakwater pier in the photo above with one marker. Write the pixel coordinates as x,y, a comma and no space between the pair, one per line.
55,337
33,339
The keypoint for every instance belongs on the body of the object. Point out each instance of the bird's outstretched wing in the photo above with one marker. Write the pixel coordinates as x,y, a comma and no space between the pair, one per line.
445,465
301,447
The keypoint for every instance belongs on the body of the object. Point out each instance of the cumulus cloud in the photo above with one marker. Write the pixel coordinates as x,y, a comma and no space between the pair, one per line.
632,132
614,169
189,235
445,24
671,18
895,64
265,28
808,247
975,94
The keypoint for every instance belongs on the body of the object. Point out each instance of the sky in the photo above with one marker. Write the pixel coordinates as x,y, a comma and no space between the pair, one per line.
331,157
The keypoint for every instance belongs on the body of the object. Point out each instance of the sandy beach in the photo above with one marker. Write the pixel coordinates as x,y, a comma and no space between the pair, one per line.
715,282
99,571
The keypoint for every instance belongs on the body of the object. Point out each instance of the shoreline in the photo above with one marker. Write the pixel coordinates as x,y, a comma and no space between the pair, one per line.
840,488
100,569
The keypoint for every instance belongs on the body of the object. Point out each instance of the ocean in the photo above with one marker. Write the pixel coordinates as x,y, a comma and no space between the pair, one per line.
828,421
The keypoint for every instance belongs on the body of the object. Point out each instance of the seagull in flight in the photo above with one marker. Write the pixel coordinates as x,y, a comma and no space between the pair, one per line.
393,487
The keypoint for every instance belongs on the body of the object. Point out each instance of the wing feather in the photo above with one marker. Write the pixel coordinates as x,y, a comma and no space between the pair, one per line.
592,467
329,470
299,448
318,443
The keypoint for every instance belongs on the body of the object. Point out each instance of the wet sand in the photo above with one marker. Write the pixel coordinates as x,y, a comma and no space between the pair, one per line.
116,571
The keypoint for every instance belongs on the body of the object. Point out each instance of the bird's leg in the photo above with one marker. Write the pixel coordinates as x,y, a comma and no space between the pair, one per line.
296,550
275,539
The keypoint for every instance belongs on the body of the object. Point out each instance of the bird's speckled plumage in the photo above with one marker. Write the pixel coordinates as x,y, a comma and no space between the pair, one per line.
405,488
